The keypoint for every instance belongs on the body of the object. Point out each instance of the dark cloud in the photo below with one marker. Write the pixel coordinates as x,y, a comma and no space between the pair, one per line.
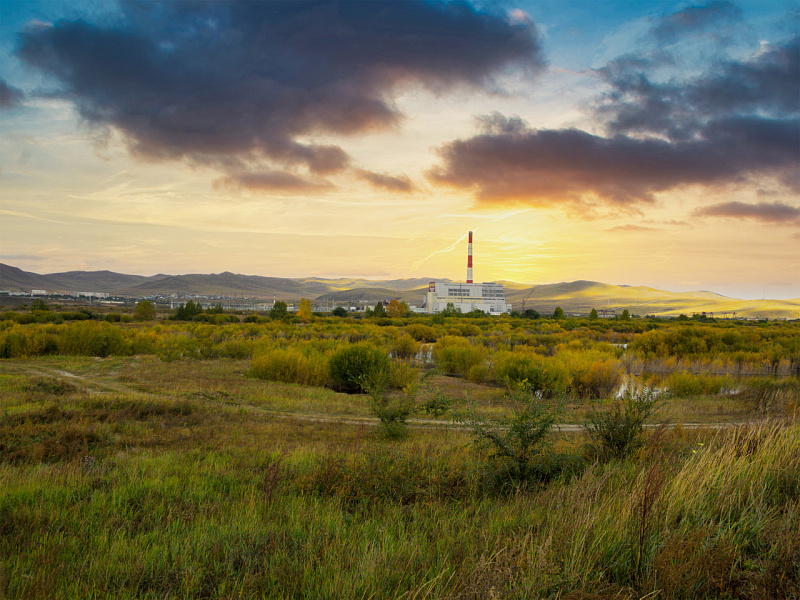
228,82
766,85
542,167
10,97
388,182
734,122
776,212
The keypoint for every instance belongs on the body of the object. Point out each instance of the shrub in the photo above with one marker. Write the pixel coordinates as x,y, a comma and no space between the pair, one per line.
517,444
540,374
18,341
402,374
353,364
478,373
236,348
404,346
422,333
290,365
392,410
456,356
92,339
437,403
599,380
683,384
618,431
765,395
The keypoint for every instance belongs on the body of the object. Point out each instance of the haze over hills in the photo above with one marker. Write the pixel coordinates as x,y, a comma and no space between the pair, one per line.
577,297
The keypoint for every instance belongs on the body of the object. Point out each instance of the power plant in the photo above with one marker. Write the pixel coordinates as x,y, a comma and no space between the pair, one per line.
466,297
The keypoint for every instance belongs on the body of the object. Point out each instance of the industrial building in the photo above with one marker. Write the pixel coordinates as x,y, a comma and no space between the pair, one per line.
466,297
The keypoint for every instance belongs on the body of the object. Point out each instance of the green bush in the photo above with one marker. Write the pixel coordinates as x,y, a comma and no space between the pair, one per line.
350,366
616,432
518,445
391,410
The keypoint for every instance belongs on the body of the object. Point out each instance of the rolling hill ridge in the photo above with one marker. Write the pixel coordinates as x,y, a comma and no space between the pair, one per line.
576,297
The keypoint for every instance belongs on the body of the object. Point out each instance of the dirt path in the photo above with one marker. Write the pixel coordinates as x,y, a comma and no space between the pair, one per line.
91,386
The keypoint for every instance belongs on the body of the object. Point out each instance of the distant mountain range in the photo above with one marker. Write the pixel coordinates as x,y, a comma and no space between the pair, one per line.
577,297
215,284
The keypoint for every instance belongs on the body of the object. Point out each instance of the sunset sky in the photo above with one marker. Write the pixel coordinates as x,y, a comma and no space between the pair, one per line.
628,142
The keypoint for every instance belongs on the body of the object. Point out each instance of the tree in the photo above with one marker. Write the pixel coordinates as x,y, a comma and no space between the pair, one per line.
304,310
216,310
39,304
278,310
558,313
626,316
339,311
144,311
186,312
397,308
450,310
378,311
593,315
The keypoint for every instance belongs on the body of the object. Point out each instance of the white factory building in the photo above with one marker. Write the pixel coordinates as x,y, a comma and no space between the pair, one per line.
466,297
487,297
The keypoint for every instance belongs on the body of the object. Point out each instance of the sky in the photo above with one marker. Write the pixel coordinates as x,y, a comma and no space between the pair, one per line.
627,142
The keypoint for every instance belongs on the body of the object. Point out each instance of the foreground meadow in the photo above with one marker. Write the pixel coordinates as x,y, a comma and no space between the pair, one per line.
200,465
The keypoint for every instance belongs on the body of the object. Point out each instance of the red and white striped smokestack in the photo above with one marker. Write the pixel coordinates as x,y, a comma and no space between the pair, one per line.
469,259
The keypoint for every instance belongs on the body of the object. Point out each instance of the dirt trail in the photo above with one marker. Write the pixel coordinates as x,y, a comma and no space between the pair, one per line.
91,386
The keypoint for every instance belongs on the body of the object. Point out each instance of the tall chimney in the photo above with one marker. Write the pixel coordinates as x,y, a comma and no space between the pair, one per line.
469,259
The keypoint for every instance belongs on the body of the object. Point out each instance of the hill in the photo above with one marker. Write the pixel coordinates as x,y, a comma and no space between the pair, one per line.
373,294
575,297
579,297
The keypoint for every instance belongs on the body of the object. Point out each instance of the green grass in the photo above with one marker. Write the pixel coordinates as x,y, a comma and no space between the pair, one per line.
161,480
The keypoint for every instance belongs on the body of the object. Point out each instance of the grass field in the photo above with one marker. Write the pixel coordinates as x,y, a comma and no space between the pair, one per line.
130,477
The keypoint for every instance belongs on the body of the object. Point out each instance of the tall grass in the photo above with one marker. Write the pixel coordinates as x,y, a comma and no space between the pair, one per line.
191,496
